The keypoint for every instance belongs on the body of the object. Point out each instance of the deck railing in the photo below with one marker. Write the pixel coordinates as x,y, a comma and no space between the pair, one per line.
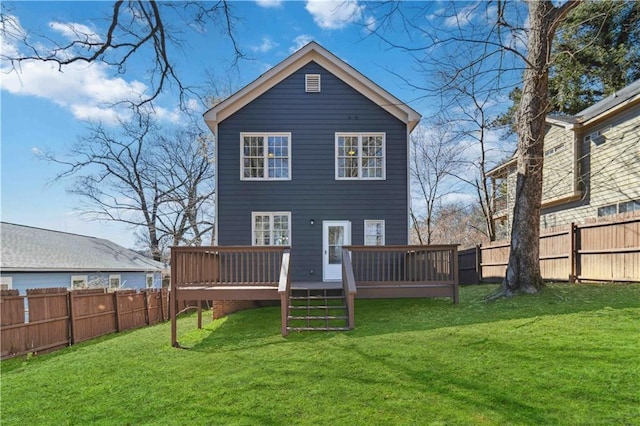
389,268
231,265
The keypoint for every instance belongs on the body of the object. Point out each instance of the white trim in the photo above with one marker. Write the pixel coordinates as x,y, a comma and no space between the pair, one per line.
146,279
6,281
374,221
271,216
360,136
115,276
84,278
265,136
409,201
217,186
312,52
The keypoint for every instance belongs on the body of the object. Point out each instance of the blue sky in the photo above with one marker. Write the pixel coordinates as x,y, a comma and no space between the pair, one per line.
44,109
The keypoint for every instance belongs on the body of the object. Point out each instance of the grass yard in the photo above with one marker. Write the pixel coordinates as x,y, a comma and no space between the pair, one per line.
569,356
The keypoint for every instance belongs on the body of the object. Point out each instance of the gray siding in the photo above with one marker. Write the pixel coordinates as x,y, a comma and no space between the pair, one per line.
313,193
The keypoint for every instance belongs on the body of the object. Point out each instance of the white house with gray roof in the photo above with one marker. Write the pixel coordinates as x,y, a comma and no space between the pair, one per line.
591,165
41,258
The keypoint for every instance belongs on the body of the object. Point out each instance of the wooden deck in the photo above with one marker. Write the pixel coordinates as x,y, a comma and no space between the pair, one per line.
263,273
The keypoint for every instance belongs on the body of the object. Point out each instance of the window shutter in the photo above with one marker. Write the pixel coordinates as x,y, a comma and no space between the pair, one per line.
312,83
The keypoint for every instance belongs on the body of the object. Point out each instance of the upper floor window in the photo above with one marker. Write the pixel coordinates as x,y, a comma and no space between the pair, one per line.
271,229
265,156
553,150
374,232
360,156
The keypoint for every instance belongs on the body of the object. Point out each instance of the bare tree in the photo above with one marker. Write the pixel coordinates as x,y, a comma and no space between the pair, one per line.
161,186
435,157
143,29
503,45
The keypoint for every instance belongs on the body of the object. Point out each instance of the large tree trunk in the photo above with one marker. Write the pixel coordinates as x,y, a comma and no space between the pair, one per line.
523,270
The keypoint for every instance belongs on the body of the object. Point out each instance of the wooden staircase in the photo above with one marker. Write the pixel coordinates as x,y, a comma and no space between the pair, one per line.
317,309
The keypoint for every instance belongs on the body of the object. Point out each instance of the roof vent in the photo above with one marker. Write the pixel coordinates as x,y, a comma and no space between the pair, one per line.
312,83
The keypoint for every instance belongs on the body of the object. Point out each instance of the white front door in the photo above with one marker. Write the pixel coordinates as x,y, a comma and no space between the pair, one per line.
335,234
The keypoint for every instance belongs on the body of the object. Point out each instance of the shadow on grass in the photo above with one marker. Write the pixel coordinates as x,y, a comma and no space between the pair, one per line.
261,327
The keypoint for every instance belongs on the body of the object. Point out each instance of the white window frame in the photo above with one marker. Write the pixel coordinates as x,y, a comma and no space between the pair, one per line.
6,281
271,233
84,278
265,155
374,222
113,277
146,280
360,136
555,149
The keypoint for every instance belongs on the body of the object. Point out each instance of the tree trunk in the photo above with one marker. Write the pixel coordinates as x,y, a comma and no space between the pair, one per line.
523,270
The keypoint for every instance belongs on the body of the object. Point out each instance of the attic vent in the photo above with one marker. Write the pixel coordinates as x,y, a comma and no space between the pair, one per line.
312,83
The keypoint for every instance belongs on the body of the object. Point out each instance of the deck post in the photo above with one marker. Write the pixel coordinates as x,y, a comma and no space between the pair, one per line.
456,277
199,314
173,301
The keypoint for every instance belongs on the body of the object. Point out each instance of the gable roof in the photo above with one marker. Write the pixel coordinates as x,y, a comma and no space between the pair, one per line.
312,52
24,248
603,108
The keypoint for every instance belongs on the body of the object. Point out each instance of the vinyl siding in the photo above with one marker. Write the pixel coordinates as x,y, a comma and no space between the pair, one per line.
312,193
28,280
559,178
610,172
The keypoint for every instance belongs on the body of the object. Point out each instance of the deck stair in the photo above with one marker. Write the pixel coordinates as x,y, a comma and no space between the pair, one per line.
317,309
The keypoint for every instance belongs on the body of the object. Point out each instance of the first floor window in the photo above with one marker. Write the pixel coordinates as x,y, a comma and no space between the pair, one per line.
79,282
149,280
607,210
374,232
360,155
271,229
114,282
629,206
265,156
6,283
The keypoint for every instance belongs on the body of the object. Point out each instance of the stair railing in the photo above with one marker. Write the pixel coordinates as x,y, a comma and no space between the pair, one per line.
284,289
349,286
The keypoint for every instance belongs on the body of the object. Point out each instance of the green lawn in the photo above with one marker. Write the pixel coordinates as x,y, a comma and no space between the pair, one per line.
570,355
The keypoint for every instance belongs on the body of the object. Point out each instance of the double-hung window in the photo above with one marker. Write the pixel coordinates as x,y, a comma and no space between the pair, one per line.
79,282
374,232
265,156
360,156
271,229
114,282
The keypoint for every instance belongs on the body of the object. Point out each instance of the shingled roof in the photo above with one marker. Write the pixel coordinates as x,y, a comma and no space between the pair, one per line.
28,249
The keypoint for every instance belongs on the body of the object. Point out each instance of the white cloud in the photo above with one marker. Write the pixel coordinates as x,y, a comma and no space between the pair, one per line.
299,42
269,3
266,45
370,23
334,14
88,91
75,31
463,18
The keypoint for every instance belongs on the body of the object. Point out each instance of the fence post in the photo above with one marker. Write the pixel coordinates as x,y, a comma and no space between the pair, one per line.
147,316
72,317
115,308
478,264
572,253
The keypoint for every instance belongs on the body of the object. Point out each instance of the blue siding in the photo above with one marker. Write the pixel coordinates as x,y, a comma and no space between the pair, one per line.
313,193
26,280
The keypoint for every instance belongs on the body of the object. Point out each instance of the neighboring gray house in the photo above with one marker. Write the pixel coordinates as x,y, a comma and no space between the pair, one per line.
312,155
40,258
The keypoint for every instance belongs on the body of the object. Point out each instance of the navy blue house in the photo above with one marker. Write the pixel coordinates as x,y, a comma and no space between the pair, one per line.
312,155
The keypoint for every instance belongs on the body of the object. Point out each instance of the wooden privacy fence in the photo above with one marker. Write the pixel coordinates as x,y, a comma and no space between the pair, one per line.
601,251
59,317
